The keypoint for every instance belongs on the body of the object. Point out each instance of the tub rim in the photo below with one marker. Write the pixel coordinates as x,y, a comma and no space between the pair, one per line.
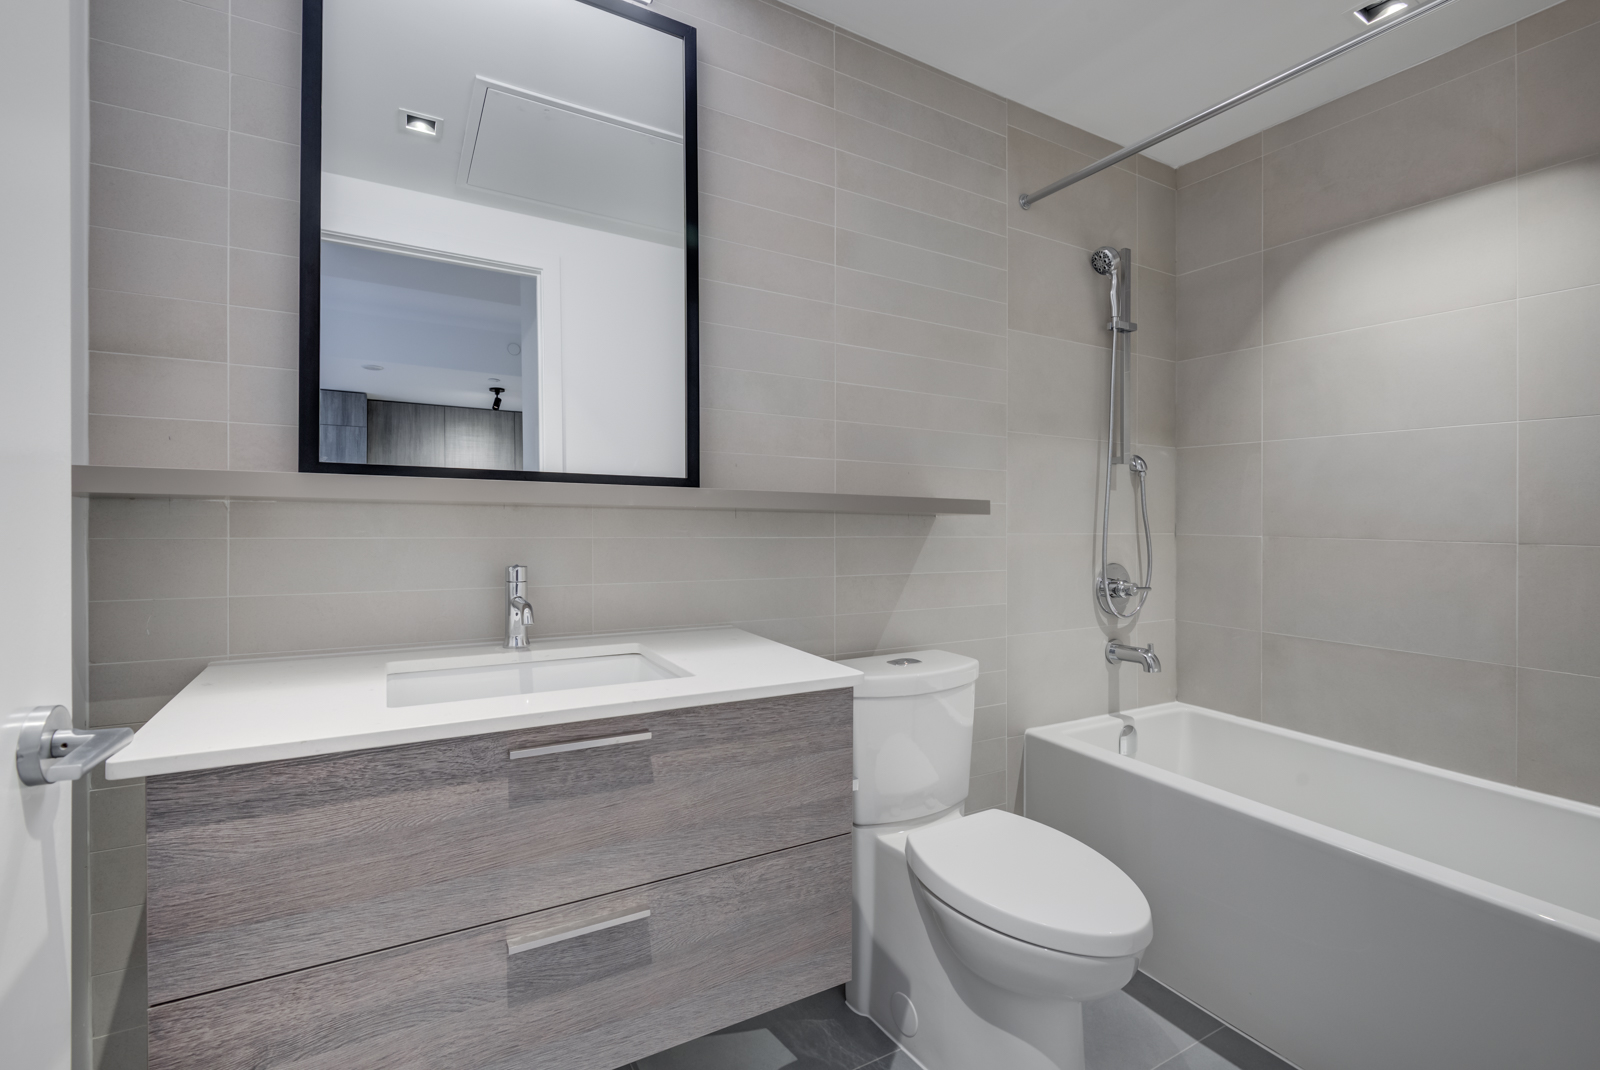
1064,733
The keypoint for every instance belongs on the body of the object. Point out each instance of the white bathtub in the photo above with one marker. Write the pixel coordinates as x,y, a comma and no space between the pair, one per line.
1350,910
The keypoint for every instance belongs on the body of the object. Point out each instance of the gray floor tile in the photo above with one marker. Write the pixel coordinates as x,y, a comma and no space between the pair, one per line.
1234,1049
1121,1033
820,1032
1171,1006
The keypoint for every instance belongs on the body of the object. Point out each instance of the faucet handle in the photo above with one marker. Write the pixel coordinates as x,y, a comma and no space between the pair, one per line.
516,573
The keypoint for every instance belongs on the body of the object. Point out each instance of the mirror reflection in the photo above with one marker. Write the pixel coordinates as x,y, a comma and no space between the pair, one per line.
505,238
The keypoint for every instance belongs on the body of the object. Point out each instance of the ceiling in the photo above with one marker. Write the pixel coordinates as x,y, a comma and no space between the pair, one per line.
1124,69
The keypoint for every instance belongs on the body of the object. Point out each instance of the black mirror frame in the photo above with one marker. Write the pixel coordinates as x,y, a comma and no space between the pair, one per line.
311,269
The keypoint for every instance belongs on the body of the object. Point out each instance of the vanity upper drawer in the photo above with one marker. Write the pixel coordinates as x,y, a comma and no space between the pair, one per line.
258,870
587,986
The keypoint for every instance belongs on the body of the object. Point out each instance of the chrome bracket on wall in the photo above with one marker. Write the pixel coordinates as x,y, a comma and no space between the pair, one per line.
50,750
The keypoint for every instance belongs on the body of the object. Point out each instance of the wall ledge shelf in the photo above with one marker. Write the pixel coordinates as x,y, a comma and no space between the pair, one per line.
109,481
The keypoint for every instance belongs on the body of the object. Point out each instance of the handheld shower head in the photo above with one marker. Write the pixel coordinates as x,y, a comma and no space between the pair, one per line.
1104,260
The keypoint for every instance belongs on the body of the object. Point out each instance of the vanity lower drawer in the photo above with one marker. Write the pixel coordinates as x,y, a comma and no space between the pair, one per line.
587,986
266,869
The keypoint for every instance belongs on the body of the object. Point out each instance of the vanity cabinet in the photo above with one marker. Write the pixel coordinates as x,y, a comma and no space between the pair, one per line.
573,896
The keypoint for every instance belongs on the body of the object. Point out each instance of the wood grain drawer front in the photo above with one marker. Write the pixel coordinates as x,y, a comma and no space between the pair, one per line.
716,947
260,870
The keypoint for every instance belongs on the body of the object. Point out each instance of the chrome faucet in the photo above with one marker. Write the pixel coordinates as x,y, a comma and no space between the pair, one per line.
519,613
1141,655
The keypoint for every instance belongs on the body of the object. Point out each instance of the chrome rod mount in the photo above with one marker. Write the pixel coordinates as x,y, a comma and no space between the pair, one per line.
50,750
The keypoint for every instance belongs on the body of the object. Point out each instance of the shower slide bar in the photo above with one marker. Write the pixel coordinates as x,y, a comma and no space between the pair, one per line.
1027,200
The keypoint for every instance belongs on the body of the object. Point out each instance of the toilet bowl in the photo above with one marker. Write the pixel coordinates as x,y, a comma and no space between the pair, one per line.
977,937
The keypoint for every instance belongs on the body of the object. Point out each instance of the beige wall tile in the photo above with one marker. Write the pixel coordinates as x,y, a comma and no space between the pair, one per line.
1158,209
1101,210
915,81
1220,399
790,30
875,293
124,385
284,14
157,518
1434,371
627,606
743,471
1558,502
116,879
934,481
1241,151
121,1051
876,105
264,109
1558,734
884,219
159,267
1219,490
1053,292
1558,625
144,81
1220,218
917,629
1219,308
907,263
1054,484
1452,599
746,140
170,28
780,395
1491,48
1457,714
749,183
889,594
258,50
320,566
765,229
1051,129
860,137
261,165
265,224
1452,253
116,818
909,445
795,437
1156,398
1059,387
754,59
152,204
1558,93
1456,483
263,447
1556,21
766,270
748,98
1155,309
1559,352
157,326
761,310
1219,580
138,141
1048,682
1457,136
868,178
263,337
263,395
910,408
1558,227
874,330
158,568
116,939
260,519
157,443
157,629
760,351
118,1002
644,560
263,280
1049,575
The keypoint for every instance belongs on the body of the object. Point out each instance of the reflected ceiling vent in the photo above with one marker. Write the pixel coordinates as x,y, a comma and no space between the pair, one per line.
1380,11
417,123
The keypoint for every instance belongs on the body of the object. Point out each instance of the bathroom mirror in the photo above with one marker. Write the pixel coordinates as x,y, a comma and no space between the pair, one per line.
498,263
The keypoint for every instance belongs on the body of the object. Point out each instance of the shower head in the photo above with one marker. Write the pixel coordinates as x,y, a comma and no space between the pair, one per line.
1104,260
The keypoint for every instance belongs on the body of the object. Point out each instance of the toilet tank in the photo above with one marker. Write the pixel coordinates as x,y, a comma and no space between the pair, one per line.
913,734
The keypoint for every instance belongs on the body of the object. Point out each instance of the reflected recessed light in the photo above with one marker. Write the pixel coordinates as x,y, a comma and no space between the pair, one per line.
417,123
492,379
1380,11
514,349
373,367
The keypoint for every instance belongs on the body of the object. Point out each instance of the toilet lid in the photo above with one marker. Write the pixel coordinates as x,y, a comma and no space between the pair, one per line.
1031,882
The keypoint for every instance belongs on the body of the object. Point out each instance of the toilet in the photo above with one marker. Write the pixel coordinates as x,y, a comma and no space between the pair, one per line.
977,937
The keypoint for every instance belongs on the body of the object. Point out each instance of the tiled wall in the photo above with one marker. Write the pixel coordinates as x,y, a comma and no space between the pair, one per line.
878,315
1389,414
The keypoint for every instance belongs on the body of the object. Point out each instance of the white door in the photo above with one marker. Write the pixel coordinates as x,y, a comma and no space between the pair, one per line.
36,338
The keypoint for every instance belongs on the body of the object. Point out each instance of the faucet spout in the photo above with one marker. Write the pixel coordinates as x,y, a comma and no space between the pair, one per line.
1143,656
519,611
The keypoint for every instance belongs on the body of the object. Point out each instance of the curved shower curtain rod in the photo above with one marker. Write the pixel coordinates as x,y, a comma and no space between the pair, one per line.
1027,199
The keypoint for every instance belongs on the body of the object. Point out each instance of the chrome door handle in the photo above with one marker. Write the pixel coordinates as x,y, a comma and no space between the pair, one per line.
50,750
582,744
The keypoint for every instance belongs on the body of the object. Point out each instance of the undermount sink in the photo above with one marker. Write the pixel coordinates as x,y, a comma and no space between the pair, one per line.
520,676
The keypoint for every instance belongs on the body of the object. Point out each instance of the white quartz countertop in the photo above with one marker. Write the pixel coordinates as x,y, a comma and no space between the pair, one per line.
265,710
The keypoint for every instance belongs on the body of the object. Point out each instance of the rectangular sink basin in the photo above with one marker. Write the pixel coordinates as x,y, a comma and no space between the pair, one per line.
520,677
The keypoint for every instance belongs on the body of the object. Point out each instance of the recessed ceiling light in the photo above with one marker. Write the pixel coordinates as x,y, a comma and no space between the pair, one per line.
373,367
1380,11
426,125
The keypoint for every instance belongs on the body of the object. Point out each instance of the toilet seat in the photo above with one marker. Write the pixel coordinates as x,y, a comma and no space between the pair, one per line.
1031,882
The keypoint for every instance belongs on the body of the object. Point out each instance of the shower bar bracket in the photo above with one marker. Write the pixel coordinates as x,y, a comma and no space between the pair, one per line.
1027,200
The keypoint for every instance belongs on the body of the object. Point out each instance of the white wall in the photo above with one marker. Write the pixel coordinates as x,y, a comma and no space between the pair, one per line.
614,335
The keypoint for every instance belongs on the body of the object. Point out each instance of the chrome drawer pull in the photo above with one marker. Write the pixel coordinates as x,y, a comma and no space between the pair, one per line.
582,744
514,945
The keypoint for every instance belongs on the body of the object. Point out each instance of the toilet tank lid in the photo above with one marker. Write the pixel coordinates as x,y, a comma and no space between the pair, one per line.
920,672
